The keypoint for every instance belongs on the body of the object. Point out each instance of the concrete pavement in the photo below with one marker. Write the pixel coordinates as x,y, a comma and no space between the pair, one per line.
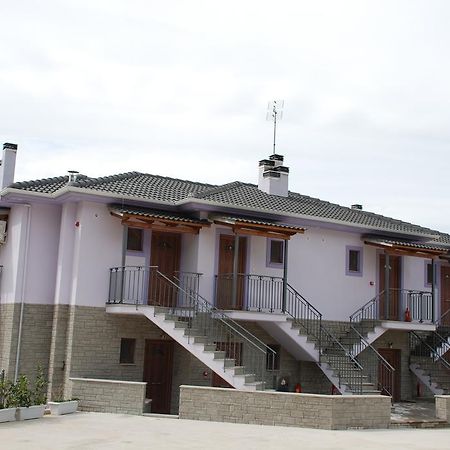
112,431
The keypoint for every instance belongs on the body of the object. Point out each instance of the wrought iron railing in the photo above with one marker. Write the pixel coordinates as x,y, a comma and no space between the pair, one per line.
393,304
345,366
264,293
379,372
444,320
203,322
424,352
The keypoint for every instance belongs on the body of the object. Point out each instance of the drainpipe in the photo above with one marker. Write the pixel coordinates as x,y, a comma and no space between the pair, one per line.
235,269
124,256
22,294
285,271
433,289
387,271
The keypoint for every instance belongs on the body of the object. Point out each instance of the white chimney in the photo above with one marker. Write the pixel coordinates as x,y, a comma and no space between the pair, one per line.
273,176
8,165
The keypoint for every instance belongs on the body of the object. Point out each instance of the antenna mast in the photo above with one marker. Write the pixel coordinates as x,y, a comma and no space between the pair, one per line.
274,113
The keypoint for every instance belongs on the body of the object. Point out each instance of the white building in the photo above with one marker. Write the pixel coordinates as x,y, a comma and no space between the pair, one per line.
147,278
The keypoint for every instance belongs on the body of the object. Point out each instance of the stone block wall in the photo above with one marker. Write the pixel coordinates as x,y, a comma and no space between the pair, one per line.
110,396
330,412
36,337
443,407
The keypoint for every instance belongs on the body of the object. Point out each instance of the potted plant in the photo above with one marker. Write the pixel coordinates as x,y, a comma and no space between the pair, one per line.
30,404
7,413
60,405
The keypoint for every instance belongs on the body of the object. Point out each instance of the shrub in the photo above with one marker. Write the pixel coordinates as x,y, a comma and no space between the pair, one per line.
20,393
39,396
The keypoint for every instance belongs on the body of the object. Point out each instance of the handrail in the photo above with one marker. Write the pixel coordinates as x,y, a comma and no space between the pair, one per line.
389,386
140,284
223,317
392,303
433,353
445,318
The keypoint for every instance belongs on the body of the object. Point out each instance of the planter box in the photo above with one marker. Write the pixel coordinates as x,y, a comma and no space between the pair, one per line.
30,412
60,408
8,415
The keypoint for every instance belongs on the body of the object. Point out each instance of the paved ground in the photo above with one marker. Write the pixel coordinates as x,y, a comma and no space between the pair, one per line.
109,431
420,411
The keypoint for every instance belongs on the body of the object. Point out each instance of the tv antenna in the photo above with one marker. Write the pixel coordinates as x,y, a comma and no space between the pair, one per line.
274,113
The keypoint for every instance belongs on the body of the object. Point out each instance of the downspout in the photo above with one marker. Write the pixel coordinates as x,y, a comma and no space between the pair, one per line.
22,294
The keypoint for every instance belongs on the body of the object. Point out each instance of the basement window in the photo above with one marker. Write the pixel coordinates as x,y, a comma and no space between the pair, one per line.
127,350
353,261
275,253
135,238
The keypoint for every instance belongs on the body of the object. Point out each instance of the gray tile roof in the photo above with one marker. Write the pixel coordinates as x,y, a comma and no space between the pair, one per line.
151,213
432,245
236,195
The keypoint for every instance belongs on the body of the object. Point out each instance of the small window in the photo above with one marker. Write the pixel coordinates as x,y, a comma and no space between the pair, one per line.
127,348
273,361
428,274
275,253
135,239
354,261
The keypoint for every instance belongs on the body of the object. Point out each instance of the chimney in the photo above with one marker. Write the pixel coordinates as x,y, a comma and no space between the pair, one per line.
357,206
73,175
8,165
273,176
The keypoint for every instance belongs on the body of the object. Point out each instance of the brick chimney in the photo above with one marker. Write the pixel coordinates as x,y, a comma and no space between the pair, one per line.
8,165
273,176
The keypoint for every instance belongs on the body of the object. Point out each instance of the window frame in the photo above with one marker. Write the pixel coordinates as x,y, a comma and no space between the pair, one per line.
427,283
122,359
141,231
359,271
269,262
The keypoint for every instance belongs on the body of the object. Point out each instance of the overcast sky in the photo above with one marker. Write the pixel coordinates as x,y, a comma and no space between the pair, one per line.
180,88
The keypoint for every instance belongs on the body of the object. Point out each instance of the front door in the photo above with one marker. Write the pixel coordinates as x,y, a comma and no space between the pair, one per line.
158,374
445,295
393,357
390,299
165,254
224,286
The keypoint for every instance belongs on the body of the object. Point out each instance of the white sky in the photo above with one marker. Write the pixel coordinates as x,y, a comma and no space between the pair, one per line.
180,88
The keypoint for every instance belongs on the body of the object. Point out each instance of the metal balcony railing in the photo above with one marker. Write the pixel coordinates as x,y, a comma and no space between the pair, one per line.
178,293
392,305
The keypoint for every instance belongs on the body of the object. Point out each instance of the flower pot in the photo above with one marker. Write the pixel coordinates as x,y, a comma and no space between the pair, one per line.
30,412
60,408
8,415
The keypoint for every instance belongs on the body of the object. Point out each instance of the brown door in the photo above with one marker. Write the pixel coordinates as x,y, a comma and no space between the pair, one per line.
393,357
389,307
445,295
225,272
165,254
158,374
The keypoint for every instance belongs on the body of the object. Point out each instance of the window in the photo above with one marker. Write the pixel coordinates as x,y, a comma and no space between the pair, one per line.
127,348
353,264
135,239
428,274
275,253
273,361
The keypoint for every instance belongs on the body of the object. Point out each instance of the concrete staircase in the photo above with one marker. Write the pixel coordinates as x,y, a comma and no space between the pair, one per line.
186,330
429,362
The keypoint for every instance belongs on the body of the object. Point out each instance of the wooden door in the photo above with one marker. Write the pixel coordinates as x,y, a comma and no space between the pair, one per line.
158,374
390,310
225,272
445,295
393,357
165,254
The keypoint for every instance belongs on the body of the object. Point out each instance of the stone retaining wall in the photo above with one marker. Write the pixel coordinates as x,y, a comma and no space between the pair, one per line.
111,396
330,412
443,407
